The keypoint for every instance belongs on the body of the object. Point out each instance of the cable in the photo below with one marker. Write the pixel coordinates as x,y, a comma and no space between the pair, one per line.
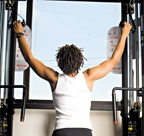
9,6
133,23
130,10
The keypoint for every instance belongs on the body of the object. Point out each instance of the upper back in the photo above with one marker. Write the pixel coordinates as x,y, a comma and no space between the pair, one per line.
67,84
72,99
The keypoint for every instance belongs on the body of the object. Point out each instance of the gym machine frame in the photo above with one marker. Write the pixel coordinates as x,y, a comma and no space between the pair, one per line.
8,103
132,120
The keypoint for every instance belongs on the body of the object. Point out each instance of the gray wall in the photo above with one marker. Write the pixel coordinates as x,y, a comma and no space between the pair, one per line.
41,122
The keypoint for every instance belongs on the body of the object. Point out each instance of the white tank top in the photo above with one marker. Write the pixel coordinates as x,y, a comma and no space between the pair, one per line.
72,102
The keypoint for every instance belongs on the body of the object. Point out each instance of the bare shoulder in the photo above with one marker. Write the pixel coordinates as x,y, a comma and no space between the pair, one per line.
85,74
89,74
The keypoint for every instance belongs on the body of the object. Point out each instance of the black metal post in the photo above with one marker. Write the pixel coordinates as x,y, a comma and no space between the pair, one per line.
2,21
29,23
11,73
136,52
124,111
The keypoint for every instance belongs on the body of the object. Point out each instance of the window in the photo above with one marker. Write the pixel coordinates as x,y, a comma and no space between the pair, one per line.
56,23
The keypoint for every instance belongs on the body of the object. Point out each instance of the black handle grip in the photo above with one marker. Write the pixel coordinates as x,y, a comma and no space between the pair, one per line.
23,24
121,24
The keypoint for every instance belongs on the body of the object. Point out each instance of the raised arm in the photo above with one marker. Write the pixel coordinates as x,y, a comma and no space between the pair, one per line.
105,67
39,68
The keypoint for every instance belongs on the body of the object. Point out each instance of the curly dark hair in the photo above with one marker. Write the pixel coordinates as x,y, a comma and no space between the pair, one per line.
70,58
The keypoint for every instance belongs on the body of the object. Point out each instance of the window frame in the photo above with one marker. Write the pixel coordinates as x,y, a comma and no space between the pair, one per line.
48,104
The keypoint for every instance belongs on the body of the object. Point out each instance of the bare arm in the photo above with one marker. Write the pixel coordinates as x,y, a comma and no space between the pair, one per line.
105,67
40,69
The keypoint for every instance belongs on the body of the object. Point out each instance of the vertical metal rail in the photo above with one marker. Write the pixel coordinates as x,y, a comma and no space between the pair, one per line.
1,37
7,52
124,111
136,55
2,24
10,71
29,23
142,52
130,69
